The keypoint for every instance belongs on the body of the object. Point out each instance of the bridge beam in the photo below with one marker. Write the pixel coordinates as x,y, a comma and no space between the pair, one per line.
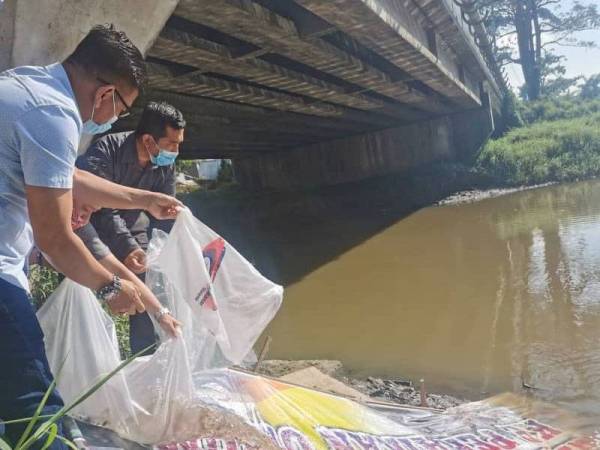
387,28
251,22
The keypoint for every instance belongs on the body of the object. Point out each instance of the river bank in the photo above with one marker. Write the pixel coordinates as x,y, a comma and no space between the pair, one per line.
396,390
475,195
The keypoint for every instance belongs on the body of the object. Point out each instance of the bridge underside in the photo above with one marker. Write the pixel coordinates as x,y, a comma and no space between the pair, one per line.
254,77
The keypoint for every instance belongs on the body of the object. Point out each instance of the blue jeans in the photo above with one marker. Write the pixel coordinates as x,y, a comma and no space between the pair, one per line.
25,375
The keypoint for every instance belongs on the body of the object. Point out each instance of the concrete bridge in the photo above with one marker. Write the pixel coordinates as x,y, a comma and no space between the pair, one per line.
296,92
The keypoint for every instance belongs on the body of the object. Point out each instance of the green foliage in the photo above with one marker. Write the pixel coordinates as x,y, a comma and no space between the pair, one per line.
561,108
122,328
225,174
561,150
590,89
184,165
524,32
42,281
511,115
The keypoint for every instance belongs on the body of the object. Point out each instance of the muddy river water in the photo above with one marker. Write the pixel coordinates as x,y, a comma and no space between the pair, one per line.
476,298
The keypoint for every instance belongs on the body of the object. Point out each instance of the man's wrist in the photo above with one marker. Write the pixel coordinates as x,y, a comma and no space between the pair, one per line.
111,290
146,200
158,315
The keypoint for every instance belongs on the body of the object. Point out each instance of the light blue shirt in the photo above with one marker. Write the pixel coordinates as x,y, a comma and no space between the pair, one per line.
40,128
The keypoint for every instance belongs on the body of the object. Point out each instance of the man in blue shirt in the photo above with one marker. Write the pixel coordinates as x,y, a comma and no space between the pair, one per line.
43,112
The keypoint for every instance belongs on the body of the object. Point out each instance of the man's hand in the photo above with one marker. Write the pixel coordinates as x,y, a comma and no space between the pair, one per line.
162,206
136,261
170,325
127,301
81,214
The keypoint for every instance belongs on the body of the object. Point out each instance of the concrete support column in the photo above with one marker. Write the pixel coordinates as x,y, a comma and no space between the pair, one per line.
472,129
8,10
41,32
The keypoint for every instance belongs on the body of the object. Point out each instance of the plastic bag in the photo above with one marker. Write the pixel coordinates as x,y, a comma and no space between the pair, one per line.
224,305
222,300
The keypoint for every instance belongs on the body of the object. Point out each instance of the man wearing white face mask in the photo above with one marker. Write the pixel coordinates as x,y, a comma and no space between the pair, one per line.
144,159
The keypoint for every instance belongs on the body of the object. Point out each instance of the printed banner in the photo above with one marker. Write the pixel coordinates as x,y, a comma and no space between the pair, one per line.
297,418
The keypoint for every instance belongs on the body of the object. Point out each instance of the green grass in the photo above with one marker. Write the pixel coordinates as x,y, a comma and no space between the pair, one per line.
43,281
559,150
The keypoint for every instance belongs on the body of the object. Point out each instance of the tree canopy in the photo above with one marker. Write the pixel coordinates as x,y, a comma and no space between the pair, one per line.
525,31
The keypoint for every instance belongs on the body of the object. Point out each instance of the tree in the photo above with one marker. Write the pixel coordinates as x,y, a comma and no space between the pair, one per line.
590,89
523,31
554,83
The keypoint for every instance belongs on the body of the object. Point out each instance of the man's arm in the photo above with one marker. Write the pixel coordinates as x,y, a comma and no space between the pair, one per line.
50,216
153,306
45,138
94,190
49,212
114,232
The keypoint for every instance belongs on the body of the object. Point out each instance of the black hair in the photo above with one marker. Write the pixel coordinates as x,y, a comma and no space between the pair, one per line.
156,117
109,54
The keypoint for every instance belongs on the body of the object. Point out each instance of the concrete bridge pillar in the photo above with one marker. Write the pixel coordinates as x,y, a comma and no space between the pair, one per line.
41,32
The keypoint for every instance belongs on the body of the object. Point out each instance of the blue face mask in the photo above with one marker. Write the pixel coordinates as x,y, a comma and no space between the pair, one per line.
91,127
164,158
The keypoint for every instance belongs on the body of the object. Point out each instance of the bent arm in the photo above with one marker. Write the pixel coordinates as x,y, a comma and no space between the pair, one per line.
91,189
113,265
50,216
153,306
94,190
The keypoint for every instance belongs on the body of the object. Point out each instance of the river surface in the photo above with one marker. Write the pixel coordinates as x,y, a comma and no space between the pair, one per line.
477,299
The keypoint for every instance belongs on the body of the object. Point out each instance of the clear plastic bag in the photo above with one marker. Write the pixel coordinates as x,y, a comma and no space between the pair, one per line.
223,303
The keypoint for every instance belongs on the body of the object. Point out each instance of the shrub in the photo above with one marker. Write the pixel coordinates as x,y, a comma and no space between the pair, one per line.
558,108
560,150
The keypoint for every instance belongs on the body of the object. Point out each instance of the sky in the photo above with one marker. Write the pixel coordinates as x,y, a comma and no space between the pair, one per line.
579,61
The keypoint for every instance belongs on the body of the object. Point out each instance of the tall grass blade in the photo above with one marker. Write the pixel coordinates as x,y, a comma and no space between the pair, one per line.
4,445
44,427
51,436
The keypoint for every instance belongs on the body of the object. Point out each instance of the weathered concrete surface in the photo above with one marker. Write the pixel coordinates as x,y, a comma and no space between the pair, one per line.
395,150
47,31
7,22
471,130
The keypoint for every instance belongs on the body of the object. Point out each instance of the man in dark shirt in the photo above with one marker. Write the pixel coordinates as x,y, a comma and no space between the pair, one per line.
144,159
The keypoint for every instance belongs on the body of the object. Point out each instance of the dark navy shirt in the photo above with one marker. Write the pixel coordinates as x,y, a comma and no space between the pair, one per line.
114,157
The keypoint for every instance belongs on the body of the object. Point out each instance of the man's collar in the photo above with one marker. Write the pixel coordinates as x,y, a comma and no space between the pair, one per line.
130,149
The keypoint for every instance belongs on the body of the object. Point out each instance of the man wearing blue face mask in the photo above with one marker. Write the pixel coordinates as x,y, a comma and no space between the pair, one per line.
143,159
44,110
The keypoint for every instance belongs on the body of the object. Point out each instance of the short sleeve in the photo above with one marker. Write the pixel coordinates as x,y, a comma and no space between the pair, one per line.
47,138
